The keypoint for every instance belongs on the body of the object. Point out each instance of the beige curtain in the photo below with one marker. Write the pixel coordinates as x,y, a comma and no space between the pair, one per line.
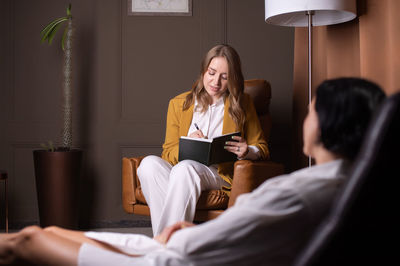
366,47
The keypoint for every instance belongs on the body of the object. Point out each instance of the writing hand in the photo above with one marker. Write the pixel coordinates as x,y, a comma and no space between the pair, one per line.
197,134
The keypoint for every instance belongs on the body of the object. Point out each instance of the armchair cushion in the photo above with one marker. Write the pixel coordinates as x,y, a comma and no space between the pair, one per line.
209,200
247,176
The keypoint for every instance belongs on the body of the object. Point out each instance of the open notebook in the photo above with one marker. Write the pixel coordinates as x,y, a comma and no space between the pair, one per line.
206,151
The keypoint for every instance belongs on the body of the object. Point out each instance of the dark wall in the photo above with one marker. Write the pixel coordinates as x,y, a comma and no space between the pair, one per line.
125,69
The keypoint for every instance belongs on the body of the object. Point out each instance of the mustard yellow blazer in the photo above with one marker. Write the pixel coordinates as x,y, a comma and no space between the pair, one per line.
178,123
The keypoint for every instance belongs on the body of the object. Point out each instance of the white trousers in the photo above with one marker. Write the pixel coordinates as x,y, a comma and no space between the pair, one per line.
172,191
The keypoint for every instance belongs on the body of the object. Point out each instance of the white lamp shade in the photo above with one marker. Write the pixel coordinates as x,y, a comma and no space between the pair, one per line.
293,12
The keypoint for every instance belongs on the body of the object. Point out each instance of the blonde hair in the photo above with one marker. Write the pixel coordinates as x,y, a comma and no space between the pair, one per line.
235,84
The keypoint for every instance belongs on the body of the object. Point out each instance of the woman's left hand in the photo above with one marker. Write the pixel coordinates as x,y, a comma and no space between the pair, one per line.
238,147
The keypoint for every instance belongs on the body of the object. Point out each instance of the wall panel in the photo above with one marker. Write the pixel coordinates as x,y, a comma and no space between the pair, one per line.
22,189
125,69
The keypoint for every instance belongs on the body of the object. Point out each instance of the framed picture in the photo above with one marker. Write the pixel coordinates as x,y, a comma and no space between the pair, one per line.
160,7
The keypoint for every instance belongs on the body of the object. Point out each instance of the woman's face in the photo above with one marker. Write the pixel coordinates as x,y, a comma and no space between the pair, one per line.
215,78
311,131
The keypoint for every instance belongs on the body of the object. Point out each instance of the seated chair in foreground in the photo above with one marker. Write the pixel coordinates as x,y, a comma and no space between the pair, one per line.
362,227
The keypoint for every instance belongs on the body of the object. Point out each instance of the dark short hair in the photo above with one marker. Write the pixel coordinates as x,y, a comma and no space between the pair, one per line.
345,107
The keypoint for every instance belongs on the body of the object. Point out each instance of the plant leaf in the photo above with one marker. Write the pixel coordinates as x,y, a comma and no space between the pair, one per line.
45,29
49,32
44,146
49,35
53,33
69,10
46,34
51,25
51,145
63,38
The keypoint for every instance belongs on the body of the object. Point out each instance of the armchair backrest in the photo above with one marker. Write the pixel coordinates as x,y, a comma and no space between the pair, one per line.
360,229
260,91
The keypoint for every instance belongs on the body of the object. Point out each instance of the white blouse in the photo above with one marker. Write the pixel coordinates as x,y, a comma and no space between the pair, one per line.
266,227
210,123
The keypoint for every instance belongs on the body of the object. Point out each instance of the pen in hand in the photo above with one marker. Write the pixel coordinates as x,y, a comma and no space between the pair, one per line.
200,132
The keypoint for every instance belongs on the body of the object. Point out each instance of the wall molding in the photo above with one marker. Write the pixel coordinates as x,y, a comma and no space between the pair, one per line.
11,87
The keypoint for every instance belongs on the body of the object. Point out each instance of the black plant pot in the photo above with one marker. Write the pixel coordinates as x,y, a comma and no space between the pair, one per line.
57,184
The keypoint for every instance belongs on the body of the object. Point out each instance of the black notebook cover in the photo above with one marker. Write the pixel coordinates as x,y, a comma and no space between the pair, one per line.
206,151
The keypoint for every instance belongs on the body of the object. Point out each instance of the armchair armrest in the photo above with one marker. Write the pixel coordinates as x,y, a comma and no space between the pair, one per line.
129,182
248,175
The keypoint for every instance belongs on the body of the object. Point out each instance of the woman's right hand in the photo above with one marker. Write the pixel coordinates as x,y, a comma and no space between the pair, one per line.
170,230
197,134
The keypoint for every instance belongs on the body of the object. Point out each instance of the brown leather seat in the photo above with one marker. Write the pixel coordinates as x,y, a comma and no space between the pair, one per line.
247,174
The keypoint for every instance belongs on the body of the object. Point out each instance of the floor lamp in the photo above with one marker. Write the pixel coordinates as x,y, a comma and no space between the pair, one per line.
309,13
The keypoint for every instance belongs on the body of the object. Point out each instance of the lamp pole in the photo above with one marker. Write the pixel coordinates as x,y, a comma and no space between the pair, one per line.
310,15
303,13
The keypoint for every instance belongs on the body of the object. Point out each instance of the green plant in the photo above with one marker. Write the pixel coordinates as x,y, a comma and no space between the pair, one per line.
49,146
48,34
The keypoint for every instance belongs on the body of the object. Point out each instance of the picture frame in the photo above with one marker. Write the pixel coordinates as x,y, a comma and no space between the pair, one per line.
160,7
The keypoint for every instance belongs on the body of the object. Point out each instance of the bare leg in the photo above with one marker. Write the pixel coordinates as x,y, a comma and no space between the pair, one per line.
34,245
79,237
50,246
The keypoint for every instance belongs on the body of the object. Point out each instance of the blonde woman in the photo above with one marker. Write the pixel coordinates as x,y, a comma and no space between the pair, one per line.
216,105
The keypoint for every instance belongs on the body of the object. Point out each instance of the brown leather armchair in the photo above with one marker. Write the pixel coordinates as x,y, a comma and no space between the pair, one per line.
247,174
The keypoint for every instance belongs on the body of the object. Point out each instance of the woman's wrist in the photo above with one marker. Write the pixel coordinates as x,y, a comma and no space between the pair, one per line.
245,153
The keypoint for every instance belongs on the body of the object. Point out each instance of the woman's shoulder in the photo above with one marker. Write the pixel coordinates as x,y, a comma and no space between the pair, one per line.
180,97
